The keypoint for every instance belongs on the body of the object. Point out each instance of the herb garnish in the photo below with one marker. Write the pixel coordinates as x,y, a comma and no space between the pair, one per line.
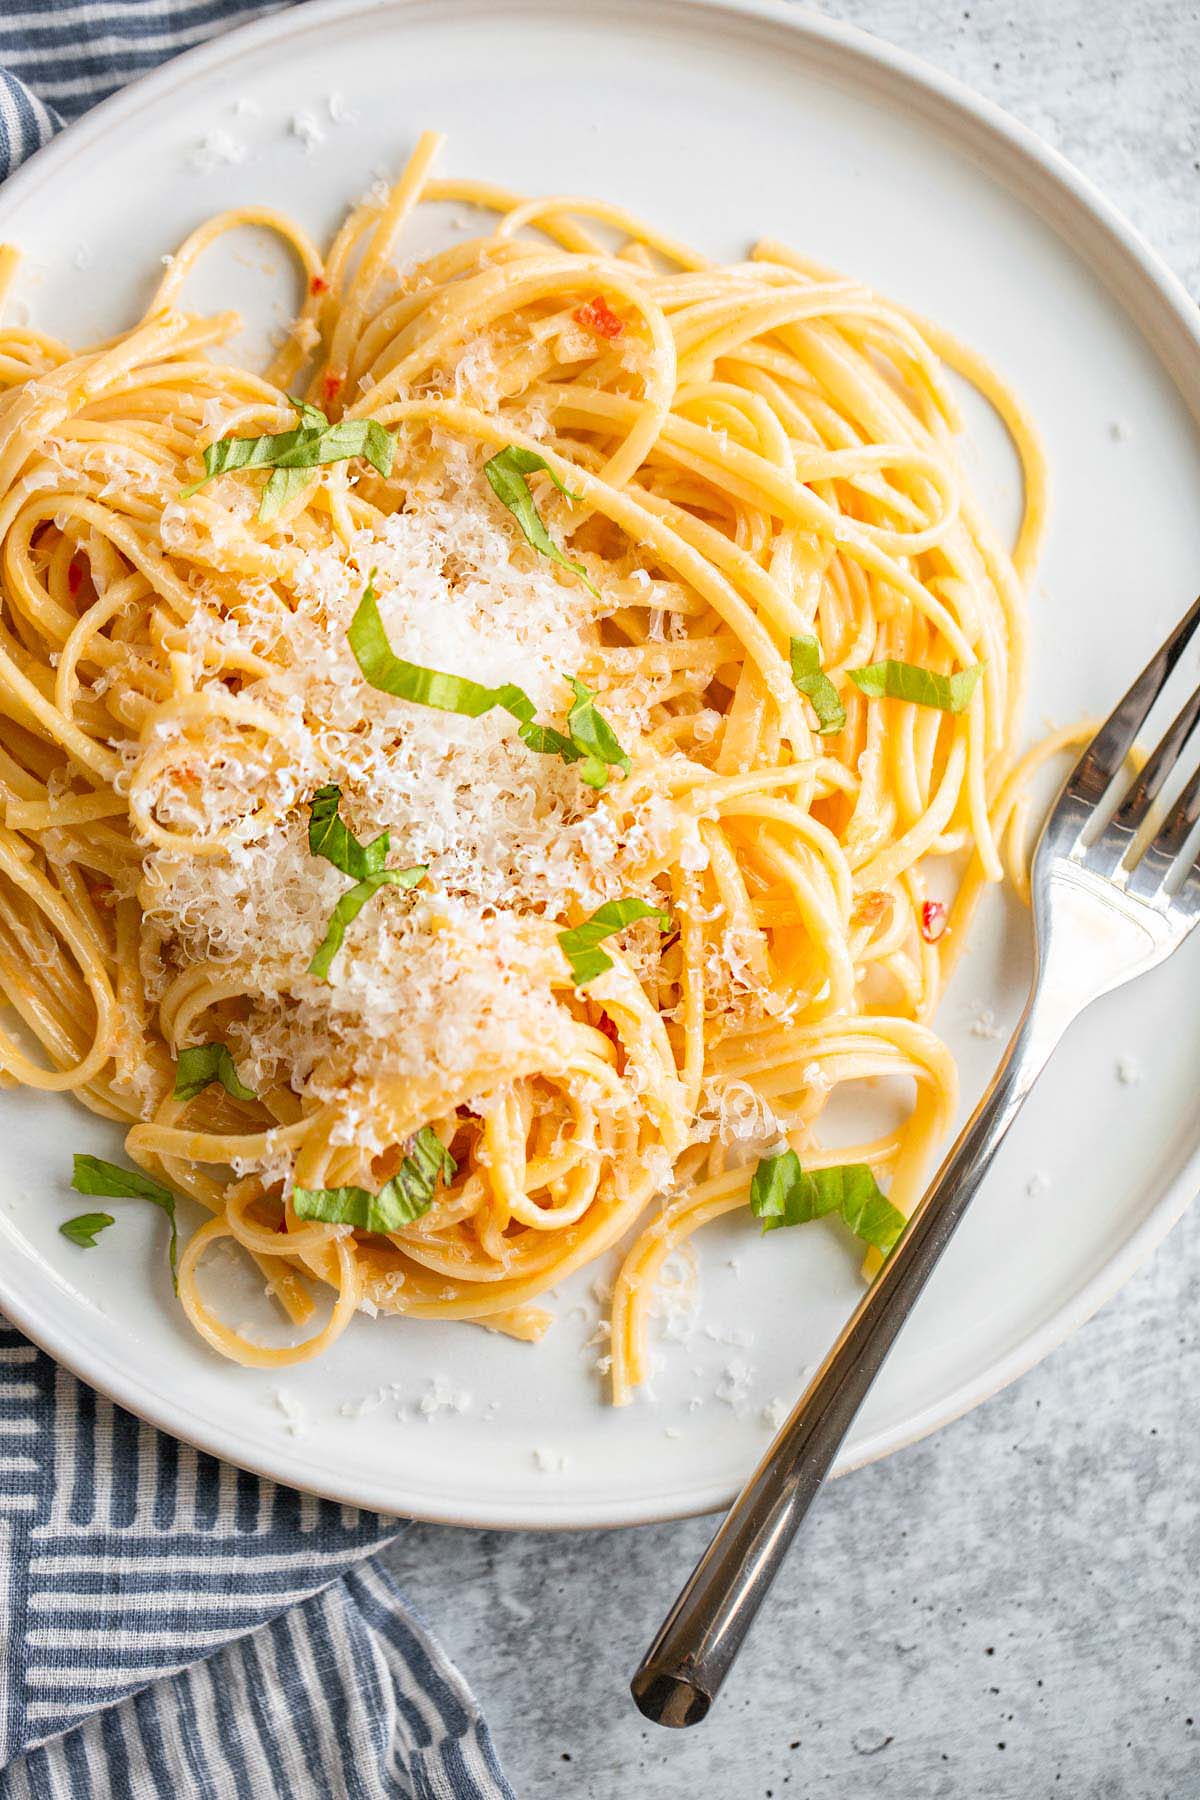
810,679
591,740
329,836
594,738
291,454
399,1201
95,1176
782,1193
201,1064
580,943
83,1227
892,680
506,474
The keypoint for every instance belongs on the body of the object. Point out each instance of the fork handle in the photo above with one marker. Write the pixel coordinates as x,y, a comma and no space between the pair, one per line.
683,1670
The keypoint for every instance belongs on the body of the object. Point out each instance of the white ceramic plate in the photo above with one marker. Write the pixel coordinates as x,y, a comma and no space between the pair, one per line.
720,121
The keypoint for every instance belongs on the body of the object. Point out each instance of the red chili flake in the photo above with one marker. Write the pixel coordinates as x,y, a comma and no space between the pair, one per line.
933,921
318,285
598,316
74,578
606,1025
870,907
186,776
330,386
103,894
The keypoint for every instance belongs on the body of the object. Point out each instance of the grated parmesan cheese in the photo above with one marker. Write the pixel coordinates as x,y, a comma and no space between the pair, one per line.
458,973
442,1396
217,149
738,1337
308,128
295,1417
983,1024
734,1386
369,1403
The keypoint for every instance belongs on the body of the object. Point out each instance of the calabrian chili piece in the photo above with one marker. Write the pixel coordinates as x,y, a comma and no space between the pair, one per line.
598,316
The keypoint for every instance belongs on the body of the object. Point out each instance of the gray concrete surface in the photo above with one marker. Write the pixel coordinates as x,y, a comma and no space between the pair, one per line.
1010,1610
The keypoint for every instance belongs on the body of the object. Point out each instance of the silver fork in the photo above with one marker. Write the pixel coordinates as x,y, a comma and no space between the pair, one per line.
1111,898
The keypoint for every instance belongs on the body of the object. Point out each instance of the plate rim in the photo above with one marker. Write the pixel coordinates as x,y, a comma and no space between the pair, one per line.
1166,319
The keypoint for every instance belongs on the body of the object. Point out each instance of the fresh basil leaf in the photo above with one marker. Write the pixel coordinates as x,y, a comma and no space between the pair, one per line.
411,1189
201,1064
232,453
329,836
782,1193
349,907
391,674
340,442
312,416
404,1198
548,742
809,679
892,680
290,453
594,738
506,473
343,1206
515,461
109,1181
82,1229
580,943
284,485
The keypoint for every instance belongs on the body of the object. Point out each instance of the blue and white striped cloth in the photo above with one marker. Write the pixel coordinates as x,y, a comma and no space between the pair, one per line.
184,1611
170,1626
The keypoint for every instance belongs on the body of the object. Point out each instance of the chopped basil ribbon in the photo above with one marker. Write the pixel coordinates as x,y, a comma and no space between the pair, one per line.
892,680
83,1228
506,472
349,907
580,943
201,1064
399,1201
809,679
108,1180
592,740
782,1193
291,454
593,736
329,837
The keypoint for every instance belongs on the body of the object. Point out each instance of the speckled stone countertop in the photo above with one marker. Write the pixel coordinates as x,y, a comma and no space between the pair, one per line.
1010,1610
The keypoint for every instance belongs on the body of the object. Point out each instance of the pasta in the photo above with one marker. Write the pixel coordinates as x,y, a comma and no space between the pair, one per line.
500,830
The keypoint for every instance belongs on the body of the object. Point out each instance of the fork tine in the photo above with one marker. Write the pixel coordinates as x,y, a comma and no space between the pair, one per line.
1131,813
1155,864
1106,753
1186,898
1106,852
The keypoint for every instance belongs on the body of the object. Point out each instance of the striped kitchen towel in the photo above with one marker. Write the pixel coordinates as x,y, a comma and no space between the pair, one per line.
184,1611
127,1559
170,1626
